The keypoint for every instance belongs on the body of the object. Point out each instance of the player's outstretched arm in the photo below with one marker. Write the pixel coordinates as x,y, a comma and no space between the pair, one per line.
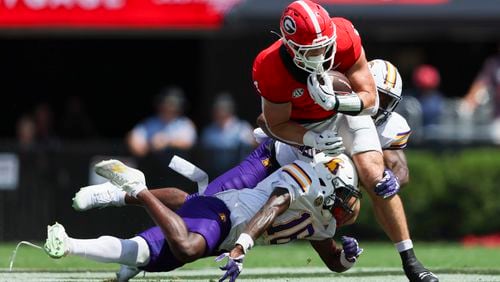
395,160
338,259
277,204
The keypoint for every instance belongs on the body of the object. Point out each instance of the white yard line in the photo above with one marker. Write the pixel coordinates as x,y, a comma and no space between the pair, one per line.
309,274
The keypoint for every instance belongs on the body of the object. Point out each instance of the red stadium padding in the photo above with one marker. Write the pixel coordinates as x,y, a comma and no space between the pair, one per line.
489,240
384,2
188,14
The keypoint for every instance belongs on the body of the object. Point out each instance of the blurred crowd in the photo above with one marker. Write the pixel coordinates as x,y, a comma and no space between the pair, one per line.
473,117
226,139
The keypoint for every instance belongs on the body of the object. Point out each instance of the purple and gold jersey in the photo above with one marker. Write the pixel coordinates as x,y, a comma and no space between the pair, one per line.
304,219
394,132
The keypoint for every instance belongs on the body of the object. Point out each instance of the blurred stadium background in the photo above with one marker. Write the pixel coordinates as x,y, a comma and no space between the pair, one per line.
77,75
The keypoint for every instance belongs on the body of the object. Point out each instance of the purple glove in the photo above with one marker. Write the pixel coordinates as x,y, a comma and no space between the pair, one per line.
388,186
351,248
233,267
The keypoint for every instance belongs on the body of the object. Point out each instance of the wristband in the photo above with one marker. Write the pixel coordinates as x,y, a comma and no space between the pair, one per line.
349,104
344,262
245,241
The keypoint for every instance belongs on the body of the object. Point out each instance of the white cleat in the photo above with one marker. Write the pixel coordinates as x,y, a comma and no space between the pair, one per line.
56,245
129,179
126,273
98,196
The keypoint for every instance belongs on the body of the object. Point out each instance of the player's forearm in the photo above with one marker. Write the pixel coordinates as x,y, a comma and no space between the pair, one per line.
402,173
369,100
395,160
330,255
266,216
277,204
288,132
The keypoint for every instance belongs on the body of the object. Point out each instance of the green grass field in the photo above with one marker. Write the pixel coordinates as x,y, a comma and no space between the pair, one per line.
293,262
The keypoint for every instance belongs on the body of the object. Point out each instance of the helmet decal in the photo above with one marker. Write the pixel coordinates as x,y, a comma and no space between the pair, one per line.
312,17
334,165
289,25
390,80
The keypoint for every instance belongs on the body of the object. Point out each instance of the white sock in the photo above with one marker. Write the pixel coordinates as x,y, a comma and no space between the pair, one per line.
404,245
133,252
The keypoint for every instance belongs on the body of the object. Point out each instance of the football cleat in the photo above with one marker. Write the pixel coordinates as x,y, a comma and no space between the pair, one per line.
98,196
126,272
56,245
416,272
129,179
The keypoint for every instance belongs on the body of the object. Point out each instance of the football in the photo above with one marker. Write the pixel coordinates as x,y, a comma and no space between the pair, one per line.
340,82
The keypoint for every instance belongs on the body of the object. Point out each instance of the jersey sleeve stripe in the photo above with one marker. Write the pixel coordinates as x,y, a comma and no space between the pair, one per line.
304,173
404,133
294,176
401,139
397,147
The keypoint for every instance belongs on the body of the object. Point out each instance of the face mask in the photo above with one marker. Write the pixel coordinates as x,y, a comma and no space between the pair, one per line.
315,62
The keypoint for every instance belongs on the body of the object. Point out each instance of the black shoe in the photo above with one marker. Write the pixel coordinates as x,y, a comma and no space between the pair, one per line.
416,272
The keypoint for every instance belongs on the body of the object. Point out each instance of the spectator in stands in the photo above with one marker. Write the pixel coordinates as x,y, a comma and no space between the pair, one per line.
26,133
228,139
76,123
486,87
44,124
168,129
426,79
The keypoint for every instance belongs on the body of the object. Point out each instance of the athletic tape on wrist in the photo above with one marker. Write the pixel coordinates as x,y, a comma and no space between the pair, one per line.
349,104
345,263
245,241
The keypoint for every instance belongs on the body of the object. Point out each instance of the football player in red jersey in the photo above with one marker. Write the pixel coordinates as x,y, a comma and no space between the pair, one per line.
300,106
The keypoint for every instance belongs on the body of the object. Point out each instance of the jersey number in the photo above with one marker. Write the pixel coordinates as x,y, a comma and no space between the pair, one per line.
297,228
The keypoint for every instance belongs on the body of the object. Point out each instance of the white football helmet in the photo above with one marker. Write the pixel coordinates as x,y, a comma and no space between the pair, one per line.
339,180
389,88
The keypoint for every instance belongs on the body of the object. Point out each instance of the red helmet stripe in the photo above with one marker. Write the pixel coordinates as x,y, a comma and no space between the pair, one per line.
312,16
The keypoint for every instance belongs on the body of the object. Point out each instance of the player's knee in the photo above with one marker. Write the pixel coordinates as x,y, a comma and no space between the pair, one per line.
370,167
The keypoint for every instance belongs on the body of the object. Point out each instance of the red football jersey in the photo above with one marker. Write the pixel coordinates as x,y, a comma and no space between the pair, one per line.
279,80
